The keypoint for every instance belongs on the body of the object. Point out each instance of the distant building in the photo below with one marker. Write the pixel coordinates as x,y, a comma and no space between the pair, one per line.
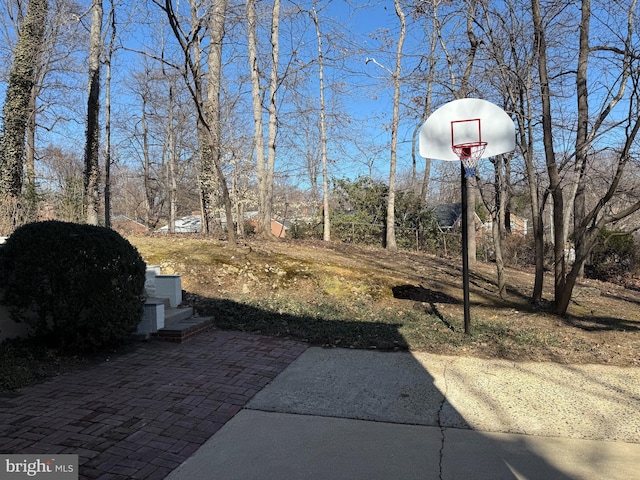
279,226
188,224
193,224
518,225
127,226
449,217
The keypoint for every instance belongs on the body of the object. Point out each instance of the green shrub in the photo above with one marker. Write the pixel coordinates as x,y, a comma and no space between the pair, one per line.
79,285
302,230
613,256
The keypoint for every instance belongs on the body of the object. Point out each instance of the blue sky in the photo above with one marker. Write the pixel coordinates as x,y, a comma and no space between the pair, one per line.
368,100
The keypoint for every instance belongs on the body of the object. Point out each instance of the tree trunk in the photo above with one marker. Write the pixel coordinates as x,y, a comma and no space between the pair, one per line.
107,144
326,235
107,120
207,183
146,167
497,228
261,163
272,129
216,36
537,206
16,110
552,167
237,204
212,179
92,139
173,186
210,129
462,92
537,224
391,216
582,141
31,194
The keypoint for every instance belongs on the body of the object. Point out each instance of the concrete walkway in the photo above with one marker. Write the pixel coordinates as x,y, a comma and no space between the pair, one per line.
349,414
229,405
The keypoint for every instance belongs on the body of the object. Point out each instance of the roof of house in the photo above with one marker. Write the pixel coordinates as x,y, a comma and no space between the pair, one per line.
124,218
188,224
447,214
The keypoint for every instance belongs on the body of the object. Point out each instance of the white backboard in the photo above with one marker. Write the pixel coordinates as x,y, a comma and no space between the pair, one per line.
473,120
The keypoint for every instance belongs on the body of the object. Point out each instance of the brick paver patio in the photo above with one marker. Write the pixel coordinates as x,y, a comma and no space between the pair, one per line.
141,414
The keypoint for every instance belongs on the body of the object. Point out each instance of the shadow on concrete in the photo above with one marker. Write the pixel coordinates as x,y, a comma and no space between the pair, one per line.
348,413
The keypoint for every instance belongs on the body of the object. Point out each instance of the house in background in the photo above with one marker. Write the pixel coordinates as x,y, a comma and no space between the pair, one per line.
449,217
193,224
279,226
519,225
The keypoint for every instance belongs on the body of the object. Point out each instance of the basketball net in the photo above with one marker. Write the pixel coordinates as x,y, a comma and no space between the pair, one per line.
469,154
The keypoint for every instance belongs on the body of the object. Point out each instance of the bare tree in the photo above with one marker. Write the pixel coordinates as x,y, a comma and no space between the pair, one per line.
62,183
208,173
172,161
144,85
207,106
460,75
588,221
512,67
256,97
427,82
323,129
391,217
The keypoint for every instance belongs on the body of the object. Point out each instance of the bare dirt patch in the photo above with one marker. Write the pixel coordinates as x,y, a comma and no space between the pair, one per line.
343,295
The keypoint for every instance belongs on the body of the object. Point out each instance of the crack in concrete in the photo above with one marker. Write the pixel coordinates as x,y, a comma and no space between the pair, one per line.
442,427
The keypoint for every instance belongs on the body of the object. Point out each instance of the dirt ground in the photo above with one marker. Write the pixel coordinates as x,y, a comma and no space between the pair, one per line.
602,325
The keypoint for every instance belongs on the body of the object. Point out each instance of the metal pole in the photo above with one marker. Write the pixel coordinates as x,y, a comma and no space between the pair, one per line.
465,252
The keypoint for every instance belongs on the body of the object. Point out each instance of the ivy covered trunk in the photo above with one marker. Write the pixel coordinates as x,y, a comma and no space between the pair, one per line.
92,166
16,109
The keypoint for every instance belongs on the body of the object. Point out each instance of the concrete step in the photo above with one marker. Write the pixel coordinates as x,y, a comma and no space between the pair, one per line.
164,301
176,315
184,329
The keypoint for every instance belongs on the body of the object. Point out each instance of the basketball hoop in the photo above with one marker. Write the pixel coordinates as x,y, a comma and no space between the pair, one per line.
454,133
469,154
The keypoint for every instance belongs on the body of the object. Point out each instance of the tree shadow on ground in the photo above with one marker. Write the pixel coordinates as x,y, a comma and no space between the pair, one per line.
601,324
481,285
230,314
381,391
426,296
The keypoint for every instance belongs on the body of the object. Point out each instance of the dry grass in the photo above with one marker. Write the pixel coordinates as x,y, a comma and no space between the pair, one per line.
342,295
